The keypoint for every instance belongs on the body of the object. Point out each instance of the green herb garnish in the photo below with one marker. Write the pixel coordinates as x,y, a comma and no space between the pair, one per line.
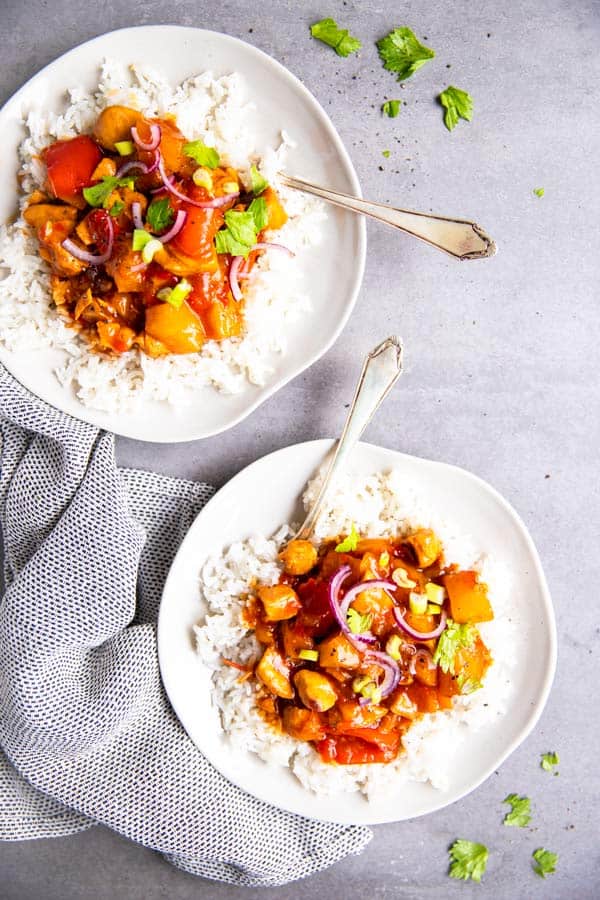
539,192
391,108
520,814
203,155
98,194
242,228
339,38
458,105
386,153
160,214
350,543
116,209
358,623
403,53
452,639
124,148
549,760
176,295
468,860
259,182
545,862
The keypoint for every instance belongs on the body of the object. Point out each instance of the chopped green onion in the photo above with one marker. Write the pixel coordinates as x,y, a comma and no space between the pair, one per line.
384,560
392,647
311,655
418,603
175,296
359,683
433,609
151,249
140,239
231,187
203,178
124,148
435,593
371,692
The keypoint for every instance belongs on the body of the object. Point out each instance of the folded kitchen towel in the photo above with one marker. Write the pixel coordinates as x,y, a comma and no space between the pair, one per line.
87,734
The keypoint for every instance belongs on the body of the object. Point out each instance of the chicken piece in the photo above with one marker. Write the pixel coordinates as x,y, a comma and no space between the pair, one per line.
114,124
121,266
295,638
37,215
115,337
265,632
403,706
223,320
51,235
351,713
426,545
184,266
280,601
315,689
298,557
275,674
337,652
303,724
179,330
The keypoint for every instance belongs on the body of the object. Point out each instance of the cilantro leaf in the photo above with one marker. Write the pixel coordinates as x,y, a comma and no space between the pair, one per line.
458,105
259,210
160,214
539,192
116,209
357,623
545,862
339,38
391,108
451,640
402,53
520,814
242,228
98,194
203,155
350,543
549,760
468,860
258,181
386,153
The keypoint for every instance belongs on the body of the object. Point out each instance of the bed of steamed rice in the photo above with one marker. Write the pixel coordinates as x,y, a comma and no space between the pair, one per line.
379,505
217,111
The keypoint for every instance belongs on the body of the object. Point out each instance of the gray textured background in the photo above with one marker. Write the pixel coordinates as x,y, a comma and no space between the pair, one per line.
502,379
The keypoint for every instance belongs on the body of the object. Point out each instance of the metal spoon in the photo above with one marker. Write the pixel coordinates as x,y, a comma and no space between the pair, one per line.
458,237
381,370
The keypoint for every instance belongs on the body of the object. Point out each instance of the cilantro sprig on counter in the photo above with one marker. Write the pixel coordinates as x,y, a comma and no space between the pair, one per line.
468,860
520,812
391,108
539,192
328,31
402,52
457,104
549,760
545,862
242,228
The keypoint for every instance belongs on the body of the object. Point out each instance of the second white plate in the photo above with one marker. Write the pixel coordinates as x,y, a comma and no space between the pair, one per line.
242,508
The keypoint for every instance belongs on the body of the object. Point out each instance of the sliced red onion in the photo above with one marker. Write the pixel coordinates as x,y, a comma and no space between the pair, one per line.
132,164
202,204
162,187
420,635
154,141
234,268
391,671
91,258
175,227
340,610
136,213
424,656
267,245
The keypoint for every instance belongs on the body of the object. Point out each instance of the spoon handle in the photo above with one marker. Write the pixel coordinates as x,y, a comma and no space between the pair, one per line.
458,237
381,370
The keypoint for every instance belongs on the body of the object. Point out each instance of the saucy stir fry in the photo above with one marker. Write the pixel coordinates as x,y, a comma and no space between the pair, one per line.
362,638
148,235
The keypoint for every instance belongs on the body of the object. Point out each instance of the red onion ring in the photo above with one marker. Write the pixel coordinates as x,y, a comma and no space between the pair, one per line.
234,268
132,164
162,187
421,654
175,227
266,245
420,635
155,134
391,671
340,610
202,204
91,258
136,214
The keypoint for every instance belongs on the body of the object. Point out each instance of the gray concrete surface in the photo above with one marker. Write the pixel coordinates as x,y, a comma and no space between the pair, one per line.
502,379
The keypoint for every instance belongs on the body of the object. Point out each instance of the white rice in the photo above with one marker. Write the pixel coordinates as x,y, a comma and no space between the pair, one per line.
378,505
217,111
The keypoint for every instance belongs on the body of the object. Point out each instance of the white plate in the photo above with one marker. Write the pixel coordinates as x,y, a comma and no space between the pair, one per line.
242,508
334,268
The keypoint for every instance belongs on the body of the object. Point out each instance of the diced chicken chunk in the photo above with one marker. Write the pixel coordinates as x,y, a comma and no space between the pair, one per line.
280,601
298,557
316,690
274,674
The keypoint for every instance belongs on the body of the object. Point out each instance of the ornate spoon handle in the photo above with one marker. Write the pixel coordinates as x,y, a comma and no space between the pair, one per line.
381,370
458,237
